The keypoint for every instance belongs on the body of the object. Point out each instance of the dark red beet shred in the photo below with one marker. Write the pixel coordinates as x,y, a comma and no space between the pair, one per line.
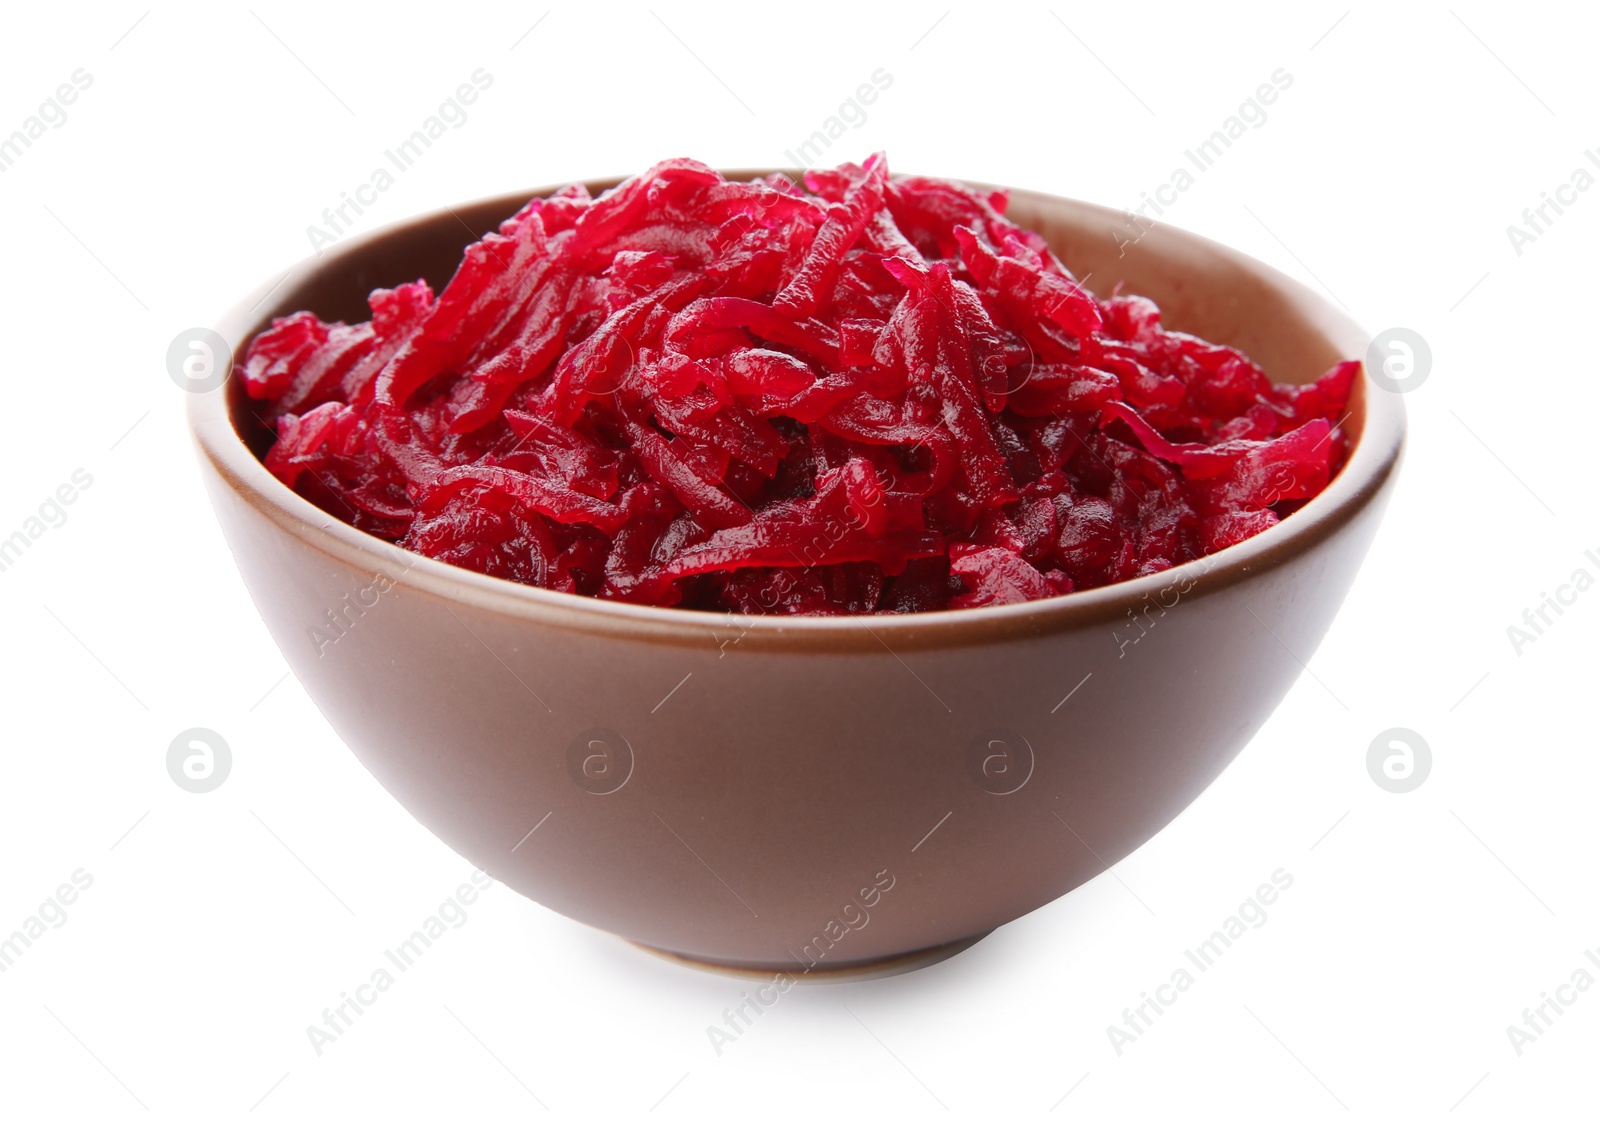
860,395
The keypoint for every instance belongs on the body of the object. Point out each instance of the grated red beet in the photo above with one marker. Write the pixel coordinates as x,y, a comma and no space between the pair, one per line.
860,395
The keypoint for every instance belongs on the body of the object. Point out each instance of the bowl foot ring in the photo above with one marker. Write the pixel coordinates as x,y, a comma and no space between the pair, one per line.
821,973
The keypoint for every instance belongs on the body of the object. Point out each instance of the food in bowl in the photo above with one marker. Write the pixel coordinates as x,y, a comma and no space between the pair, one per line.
853,395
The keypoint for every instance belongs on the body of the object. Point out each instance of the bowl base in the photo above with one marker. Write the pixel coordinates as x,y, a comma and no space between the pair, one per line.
844,973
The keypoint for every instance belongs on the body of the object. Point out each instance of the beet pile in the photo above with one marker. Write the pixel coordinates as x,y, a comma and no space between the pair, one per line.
859,395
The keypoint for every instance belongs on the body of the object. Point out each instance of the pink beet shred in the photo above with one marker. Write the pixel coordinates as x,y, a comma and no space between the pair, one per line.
862,394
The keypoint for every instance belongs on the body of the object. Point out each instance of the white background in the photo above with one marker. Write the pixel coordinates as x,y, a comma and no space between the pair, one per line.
219,926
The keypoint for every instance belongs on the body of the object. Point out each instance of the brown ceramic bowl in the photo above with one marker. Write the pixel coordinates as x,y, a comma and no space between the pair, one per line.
826,797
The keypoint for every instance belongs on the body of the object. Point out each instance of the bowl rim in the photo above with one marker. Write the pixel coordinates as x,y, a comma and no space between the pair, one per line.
1374,458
